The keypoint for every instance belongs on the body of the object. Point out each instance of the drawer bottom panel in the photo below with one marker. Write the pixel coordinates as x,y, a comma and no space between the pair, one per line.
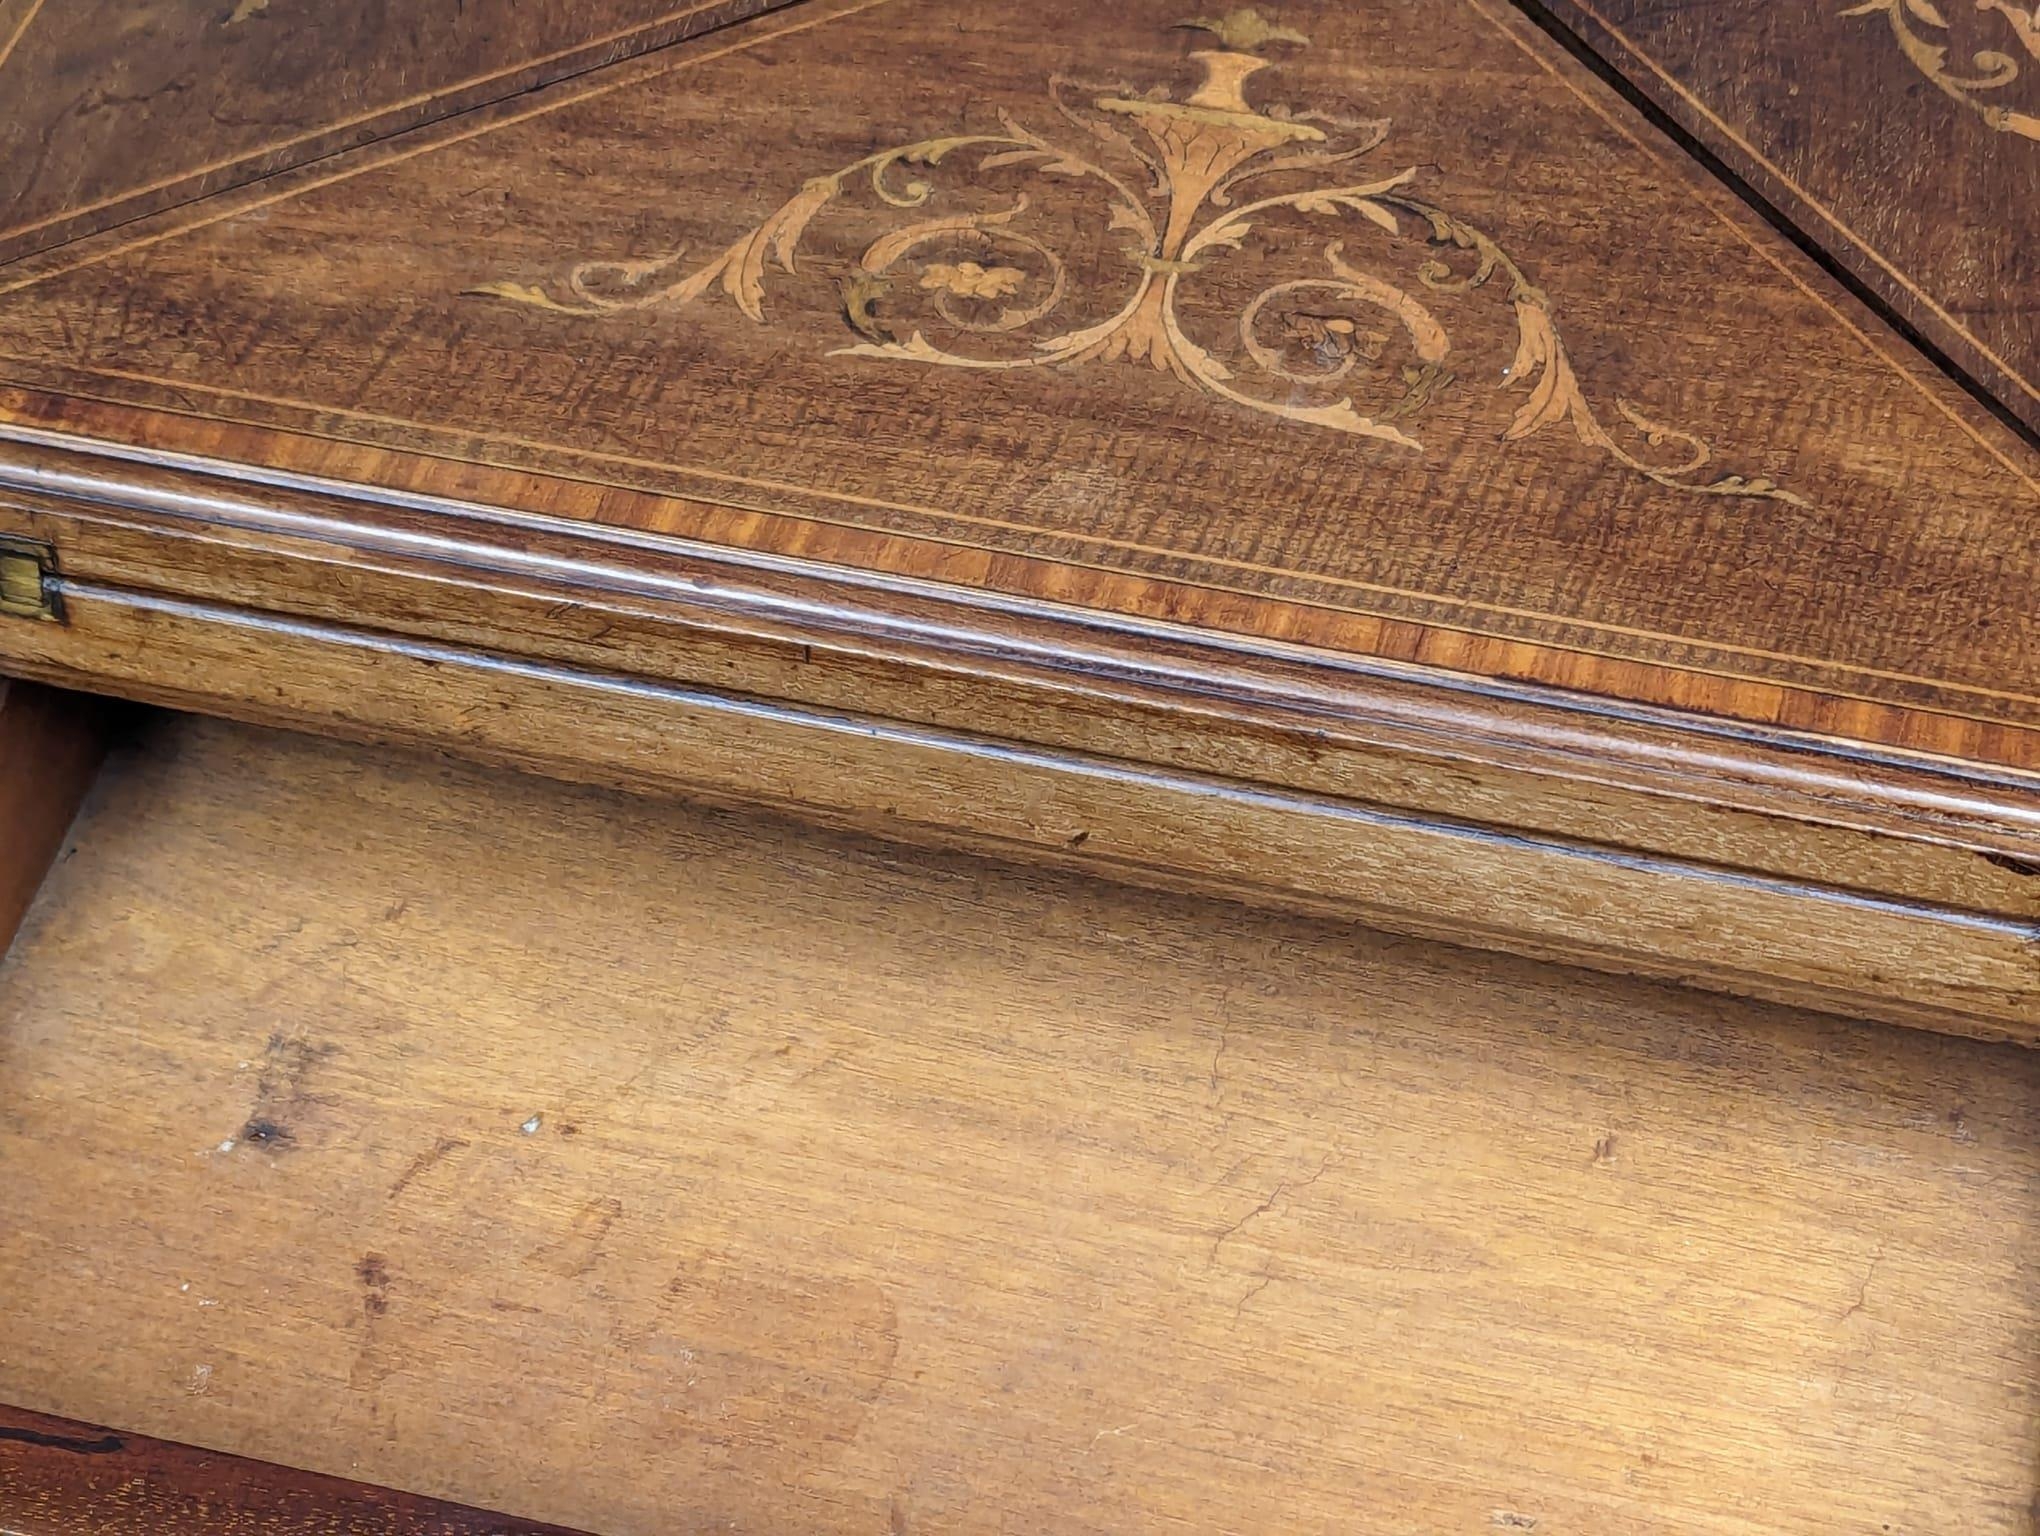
647,1168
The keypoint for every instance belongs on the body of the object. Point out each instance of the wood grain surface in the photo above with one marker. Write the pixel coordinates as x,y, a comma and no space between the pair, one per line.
116,111
646,1169
1772,899
1904,139
50,746
58,1478
1428,378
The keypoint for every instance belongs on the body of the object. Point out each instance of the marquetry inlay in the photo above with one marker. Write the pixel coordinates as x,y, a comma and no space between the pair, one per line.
982,290
1990,69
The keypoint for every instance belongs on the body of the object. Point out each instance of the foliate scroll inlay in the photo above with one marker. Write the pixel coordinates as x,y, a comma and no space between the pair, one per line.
1919,26
1181,184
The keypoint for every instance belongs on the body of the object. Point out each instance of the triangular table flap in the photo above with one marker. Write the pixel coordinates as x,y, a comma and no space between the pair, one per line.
113,112
1901,136
1385,330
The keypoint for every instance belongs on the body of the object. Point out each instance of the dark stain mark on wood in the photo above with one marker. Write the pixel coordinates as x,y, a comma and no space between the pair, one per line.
374,1274
371,1360
267,1133
283,1097
1604,1149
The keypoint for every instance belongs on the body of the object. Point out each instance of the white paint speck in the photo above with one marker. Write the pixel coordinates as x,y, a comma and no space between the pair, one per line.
227,1145
530,1127
201,1381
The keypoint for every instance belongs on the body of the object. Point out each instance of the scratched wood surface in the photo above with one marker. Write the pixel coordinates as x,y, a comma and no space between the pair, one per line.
1902,137
59,1478
644,1169
114,111
1385,329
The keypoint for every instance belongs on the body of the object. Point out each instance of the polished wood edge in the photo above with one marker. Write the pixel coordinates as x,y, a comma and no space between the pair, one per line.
1692,680
1655,90
1908,962
59,1478
662,609
50,747
683,24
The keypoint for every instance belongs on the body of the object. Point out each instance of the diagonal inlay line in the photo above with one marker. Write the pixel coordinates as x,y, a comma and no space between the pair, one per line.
441,133
1728,216
12,39
613,45
1840,225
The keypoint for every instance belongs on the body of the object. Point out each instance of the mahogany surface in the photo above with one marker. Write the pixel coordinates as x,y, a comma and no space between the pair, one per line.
59,1478
1901,136
1507,495
114,111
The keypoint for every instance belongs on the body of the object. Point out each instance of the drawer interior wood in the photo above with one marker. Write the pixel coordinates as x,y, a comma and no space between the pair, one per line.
645,1168
50,745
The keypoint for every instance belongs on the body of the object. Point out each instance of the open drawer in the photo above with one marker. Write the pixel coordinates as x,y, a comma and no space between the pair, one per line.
1345,455
646,1168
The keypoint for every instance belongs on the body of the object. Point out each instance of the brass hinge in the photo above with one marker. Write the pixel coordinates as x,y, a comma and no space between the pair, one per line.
28,588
